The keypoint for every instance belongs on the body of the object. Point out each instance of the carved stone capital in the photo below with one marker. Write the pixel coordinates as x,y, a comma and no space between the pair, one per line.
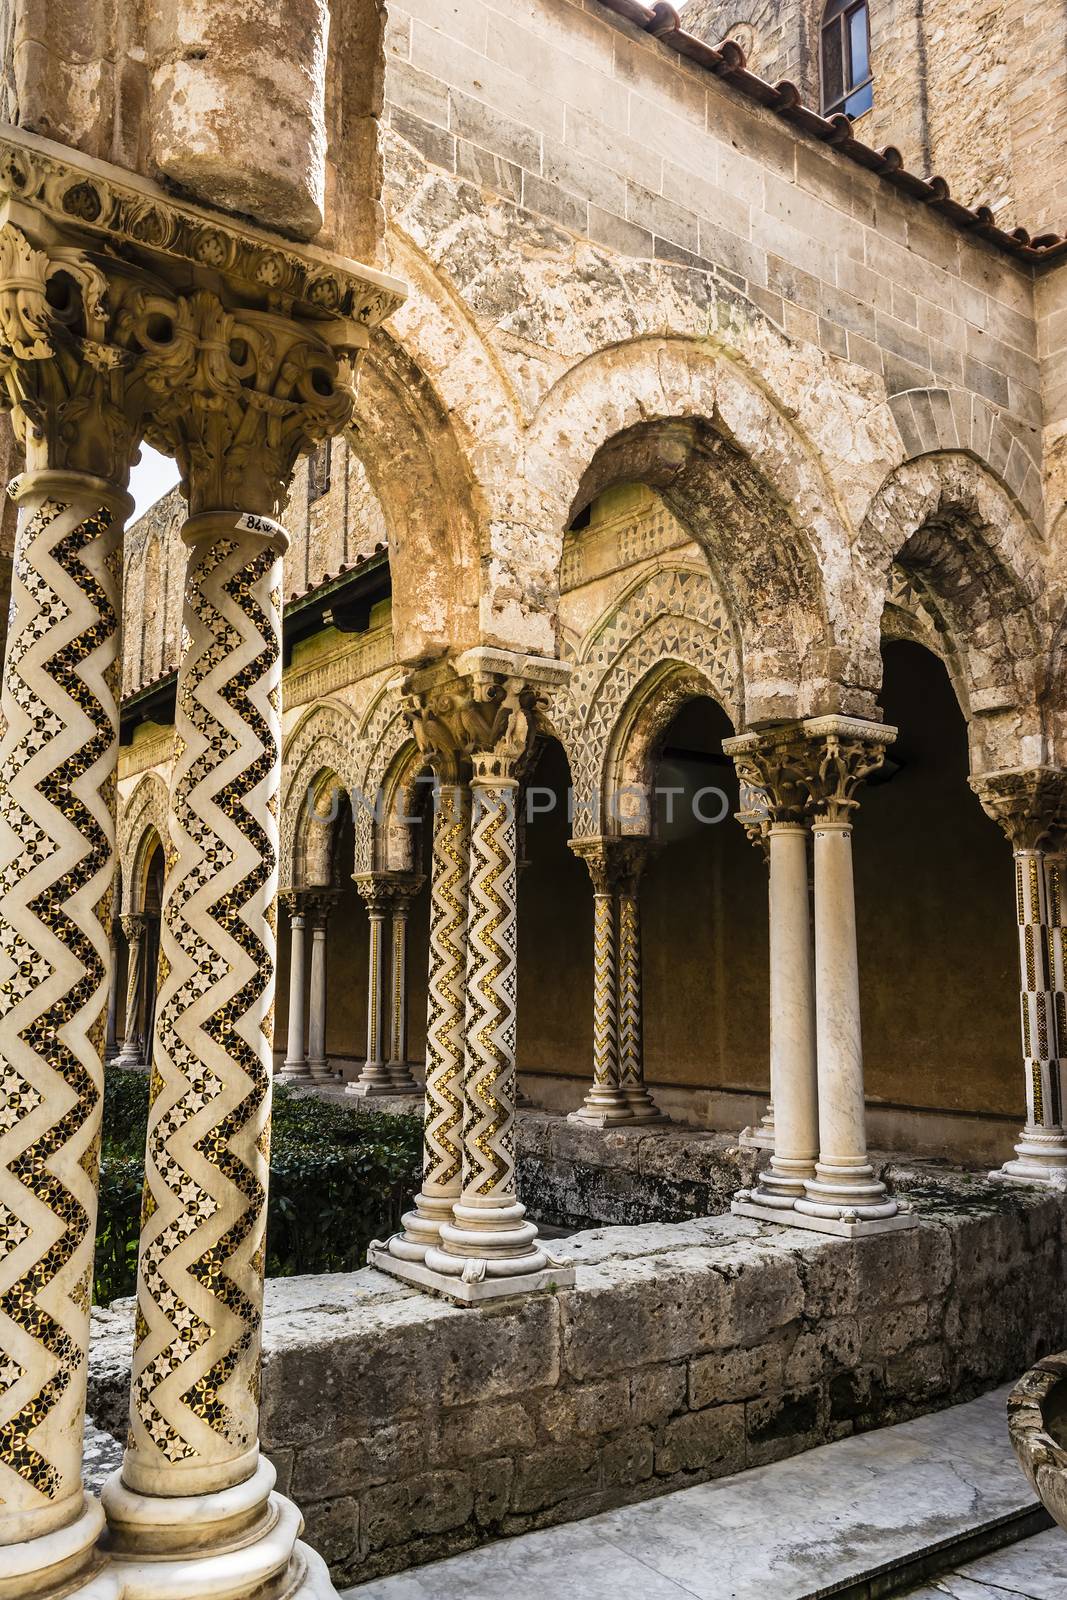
478,714
809,769
1029,804
125,313
293,902
134,926
614,864
318,904
385,893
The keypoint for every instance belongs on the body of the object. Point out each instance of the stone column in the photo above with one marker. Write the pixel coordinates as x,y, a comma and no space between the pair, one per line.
484,703
295,1067
605,1104
1029,805
771,767
64,382
442,1163
319,906
403,889
844,1195
633,856
375,1078
193,1510
111,1047
135,928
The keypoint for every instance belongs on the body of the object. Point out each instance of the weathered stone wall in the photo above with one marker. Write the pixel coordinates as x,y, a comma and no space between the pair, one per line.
407,1428
974,93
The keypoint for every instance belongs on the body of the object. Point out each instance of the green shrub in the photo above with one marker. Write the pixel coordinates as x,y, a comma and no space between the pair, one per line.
338,1179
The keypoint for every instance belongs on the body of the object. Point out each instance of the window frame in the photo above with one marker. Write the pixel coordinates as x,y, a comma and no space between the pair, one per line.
839,22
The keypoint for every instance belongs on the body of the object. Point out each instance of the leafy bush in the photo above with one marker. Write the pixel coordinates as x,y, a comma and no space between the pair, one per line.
338,1179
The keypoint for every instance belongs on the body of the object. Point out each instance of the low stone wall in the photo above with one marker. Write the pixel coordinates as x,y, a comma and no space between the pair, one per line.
407,1428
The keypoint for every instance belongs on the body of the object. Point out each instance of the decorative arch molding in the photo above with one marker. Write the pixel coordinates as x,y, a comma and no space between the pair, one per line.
326,739
734,466
629,760
402,810
934,420
976,562
144,820
383,734
669,615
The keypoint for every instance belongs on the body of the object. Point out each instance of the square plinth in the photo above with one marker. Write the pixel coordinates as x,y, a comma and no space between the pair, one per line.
469,1294
844,1230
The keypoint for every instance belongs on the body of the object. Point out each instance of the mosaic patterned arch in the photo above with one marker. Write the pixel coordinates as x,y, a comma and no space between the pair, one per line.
384,734
144,815
326,739
674,614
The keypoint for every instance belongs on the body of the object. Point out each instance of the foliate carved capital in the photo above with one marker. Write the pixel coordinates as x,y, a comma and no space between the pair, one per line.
478,715
292,901
845,751
318,904
614,864
384,893
805,770
125,313
1029,804
134,926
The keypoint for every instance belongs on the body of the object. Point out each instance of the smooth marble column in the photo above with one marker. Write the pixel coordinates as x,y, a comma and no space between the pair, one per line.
295,1066
403,891
794,1079
375,1078
112,1038
317,1062
844,1186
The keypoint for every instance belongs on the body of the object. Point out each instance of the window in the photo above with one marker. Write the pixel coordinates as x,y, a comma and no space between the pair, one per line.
319,470
846,59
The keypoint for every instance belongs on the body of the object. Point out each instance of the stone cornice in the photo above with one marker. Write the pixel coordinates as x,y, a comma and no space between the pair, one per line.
57,195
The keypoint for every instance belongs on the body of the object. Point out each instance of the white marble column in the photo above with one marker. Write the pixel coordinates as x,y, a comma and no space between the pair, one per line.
111,1048
295,1067
319,907
1030,805
403,889
375,1079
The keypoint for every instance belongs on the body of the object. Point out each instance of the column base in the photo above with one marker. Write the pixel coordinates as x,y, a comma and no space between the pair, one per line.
845,1226
51,1563
1040,1157
643,1108
293,1072
374,1079
128,1058
421,1228
469,1291
603,1107
756,1138
228,1545
402,1078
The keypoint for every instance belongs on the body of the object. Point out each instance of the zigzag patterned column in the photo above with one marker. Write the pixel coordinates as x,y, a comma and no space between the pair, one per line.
442,1151
633,855
1028,804
57,836
194,1490
1057,955
489,1237
605,1104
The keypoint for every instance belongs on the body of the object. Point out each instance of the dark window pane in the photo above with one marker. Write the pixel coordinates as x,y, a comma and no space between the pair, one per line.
861,101
834,9
833,66
857,42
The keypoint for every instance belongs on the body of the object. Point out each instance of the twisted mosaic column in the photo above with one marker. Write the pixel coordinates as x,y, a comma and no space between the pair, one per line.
442,1159
57,836
489,1236
605,1102
135,929
642,1107
193,1486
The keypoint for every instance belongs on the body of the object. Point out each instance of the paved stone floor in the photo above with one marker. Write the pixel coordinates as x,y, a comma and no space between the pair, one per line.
815,1524
1035,1569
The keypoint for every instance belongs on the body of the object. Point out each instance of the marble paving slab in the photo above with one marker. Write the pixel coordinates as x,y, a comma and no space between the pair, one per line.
1034,1569
809,1525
